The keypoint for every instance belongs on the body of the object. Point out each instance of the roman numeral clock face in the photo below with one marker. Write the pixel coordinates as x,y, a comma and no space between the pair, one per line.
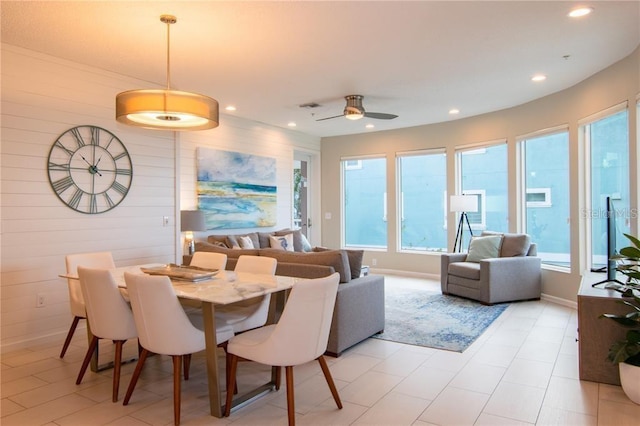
90,169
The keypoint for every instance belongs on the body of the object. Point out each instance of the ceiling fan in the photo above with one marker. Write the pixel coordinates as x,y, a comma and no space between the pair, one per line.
355,111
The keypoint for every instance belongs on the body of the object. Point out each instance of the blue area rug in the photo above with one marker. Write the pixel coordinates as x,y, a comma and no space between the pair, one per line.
426,318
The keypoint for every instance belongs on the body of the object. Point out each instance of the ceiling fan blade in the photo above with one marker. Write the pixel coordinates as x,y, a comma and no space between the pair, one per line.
380,115
329,118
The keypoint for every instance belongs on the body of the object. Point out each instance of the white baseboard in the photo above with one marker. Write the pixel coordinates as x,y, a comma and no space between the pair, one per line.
559,301
46,339
434,277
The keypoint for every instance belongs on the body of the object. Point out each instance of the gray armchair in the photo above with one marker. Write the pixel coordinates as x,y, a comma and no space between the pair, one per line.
514,275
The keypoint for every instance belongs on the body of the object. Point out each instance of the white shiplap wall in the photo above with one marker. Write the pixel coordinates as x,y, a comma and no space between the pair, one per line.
43,96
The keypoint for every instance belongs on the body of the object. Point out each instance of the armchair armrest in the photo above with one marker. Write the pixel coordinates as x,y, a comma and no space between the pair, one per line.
445,260
511,278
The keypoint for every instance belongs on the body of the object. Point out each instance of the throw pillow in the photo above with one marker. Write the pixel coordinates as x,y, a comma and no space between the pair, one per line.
232,242
306,245
218,240
245,242
513,245
484,248
282,242
297,237
231,253
355,262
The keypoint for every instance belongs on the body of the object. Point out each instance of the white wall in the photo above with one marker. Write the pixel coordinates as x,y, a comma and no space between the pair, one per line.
42,97
618,83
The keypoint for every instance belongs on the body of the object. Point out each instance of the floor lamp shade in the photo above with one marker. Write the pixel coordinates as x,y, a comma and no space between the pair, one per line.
463,203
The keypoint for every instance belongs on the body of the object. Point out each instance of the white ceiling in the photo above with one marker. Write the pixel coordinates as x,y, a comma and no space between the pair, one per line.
415,59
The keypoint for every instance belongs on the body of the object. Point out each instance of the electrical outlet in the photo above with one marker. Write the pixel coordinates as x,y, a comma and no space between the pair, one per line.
374,262
39,300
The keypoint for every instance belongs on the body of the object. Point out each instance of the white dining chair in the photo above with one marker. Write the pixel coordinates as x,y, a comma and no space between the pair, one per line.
76,301
109,317
300,336
164,329
209,260
251,313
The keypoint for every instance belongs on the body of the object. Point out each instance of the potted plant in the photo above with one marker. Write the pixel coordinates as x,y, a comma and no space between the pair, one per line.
626,353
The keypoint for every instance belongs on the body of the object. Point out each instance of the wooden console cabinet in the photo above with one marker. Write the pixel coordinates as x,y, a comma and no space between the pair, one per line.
595,334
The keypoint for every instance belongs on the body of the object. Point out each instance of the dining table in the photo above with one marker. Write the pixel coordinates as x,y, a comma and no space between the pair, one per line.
221,288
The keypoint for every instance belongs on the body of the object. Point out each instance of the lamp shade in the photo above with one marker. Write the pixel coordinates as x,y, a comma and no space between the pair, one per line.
167,109
463,203
192,220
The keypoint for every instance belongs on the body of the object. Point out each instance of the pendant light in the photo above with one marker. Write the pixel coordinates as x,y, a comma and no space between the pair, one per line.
167,109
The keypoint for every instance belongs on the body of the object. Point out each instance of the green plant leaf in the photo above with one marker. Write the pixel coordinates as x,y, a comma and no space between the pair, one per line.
634,240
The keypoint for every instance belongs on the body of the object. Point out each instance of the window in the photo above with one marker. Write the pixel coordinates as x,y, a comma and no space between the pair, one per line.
422,178
353,164
483,171
364,199
545,159
538,197
606,139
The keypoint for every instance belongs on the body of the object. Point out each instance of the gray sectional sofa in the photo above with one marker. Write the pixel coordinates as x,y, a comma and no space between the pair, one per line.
359,311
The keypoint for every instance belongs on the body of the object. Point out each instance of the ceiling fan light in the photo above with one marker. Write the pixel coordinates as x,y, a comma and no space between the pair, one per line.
353,113
167,110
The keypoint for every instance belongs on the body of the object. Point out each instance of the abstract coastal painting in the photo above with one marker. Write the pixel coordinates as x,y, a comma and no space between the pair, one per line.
236,190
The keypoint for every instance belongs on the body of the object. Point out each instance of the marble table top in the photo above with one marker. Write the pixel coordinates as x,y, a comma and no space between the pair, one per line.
223,288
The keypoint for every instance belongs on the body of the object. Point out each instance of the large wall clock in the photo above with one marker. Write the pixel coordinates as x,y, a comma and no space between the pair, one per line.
90,169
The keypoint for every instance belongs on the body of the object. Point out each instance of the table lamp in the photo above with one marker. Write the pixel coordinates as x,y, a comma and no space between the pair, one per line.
191,221
462,204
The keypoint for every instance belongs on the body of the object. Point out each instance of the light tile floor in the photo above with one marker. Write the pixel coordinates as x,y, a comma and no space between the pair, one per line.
522,370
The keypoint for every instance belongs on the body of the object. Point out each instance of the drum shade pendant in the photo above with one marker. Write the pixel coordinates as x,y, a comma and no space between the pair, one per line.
167,109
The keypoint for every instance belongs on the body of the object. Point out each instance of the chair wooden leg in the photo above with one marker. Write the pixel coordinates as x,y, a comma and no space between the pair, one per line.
136,375
177,361
187,364
87,359
278,377
233,367
332,385
72,330
291,406
117,364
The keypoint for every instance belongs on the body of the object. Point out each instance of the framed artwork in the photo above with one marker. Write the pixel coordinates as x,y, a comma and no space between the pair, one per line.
236,190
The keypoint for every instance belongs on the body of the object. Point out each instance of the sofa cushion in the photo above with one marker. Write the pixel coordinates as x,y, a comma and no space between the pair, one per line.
354,257
231,253
512,244
355,262
336,258
281,242
263,239
470,270
487,247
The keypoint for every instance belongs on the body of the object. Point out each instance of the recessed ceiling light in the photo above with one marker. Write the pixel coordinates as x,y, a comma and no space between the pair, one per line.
369,126
454,111
580,11
539,77
291,124
230,108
